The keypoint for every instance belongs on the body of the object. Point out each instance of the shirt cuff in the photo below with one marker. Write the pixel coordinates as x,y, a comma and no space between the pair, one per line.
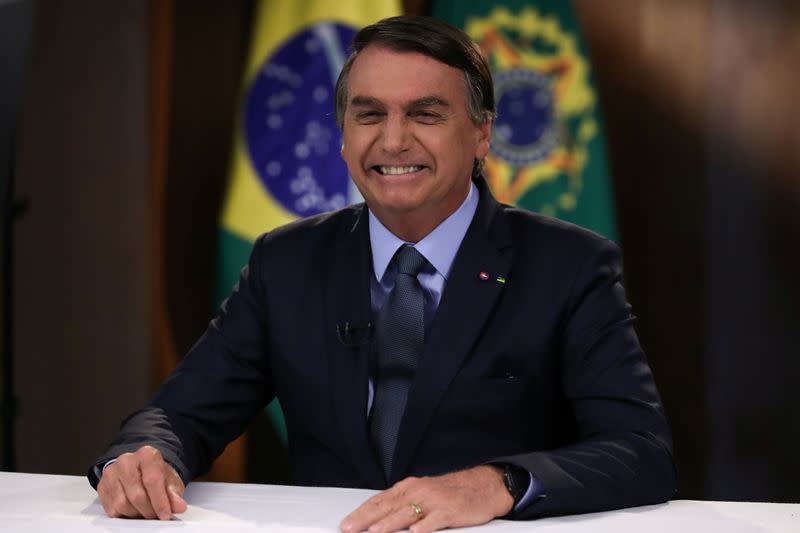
99,471
534,489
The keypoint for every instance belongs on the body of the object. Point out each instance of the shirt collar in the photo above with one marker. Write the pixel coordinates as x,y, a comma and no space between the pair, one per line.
439,247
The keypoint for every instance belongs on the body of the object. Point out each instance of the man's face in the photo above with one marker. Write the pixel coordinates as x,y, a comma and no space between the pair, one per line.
409,142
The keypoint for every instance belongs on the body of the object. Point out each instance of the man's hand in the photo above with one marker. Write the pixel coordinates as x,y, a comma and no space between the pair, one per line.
141,485
466,498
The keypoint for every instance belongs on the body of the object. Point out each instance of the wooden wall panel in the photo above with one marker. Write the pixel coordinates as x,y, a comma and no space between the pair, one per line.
704,146
651,62
209,43
83,257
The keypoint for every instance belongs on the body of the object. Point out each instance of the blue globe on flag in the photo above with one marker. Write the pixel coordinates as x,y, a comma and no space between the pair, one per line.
289,123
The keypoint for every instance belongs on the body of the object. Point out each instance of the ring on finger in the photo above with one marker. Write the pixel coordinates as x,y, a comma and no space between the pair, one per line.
418,512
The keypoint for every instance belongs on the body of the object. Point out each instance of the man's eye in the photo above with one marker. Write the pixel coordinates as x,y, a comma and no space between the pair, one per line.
427,116
368,115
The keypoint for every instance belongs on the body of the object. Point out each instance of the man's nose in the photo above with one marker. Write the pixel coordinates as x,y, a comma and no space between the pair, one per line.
396,135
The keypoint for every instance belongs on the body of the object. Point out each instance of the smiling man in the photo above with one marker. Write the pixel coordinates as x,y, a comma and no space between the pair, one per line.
472,359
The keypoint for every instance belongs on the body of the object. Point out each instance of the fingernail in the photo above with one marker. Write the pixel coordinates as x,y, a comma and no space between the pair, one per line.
347,526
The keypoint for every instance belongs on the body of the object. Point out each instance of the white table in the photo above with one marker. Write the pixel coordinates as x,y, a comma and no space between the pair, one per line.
36,502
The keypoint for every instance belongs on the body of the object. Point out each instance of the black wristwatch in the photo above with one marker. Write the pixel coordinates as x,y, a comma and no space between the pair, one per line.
517,480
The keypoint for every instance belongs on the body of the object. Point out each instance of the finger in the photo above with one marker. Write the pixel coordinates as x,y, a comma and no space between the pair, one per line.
130,477
137,496
112,496
429,523
154,479
123,508
177,502
368,513
175,489
402,518
105,495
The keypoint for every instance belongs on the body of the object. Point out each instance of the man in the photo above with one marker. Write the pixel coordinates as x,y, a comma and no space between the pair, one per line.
474,360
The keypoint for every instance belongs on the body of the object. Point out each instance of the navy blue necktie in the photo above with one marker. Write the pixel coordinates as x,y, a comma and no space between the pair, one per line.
400,338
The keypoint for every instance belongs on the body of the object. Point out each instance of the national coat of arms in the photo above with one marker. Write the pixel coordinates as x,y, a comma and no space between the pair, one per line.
545,109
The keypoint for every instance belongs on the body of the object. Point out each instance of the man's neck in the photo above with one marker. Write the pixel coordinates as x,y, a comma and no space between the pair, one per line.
413,226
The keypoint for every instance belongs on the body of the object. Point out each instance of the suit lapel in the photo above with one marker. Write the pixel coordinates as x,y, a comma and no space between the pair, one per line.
466,305
347,299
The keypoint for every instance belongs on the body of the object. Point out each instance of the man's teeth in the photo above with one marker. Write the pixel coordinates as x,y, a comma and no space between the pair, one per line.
399,170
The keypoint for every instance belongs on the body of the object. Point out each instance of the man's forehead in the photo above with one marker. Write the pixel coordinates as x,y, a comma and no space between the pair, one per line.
390,58
380,74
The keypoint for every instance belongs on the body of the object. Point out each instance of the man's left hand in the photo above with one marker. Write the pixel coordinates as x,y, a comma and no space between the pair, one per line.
460,499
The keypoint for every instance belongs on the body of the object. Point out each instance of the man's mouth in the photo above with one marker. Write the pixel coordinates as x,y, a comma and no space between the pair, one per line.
397,170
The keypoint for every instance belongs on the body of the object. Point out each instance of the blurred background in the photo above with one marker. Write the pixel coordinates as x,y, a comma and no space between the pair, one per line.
118,121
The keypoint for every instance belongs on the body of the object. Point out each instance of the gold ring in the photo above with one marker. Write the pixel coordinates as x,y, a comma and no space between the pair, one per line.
417,511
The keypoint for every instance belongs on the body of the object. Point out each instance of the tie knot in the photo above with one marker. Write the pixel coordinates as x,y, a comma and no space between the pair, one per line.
409,260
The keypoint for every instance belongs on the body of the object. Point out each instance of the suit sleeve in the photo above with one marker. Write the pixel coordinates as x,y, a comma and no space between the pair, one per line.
214,392
623,454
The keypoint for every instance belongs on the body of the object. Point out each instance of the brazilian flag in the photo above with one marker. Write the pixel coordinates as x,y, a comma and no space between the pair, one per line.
547,148
286,161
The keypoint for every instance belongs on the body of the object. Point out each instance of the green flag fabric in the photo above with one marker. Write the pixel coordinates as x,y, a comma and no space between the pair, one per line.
547,148
286,161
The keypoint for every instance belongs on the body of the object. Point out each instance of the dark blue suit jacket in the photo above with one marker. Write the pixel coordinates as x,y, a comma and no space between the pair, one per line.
543,371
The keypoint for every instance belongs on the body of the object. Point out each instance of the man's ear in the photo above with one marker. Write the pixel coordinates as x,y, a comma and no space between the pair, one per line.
484,133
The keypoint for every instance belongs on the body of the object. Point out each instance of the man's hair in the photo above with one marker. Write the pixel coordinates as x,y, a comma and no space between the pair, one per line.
438,40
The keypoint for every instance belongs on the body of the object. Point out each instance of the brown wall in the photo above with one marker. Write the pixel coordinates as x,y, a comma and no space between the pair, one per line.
83,257
706,158
651,62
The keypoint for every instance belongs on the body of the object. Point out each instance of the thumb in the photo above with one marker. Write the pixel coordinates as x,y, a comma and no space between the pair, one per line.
176,500
175,488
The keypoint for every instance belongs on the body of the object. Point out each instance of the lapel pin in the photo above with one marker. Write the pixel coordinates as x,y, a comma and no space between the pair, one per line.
484,276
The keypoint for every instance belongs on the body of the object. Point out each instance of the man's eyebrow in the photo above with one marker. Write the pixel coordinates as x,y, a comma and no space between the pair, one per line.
365,101
425,101
429,101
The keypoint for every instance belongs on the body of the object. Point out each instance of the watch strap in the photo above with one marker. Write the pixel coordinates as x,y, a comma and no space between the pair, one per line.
516,480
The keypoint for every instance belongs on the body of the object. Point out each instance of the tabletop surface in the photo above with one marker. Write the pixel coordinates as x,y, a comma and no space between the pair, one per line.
39,502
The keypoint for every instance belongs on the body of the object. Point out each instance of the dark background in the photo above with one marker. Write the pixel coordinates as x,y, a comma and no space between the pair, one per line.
122,146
